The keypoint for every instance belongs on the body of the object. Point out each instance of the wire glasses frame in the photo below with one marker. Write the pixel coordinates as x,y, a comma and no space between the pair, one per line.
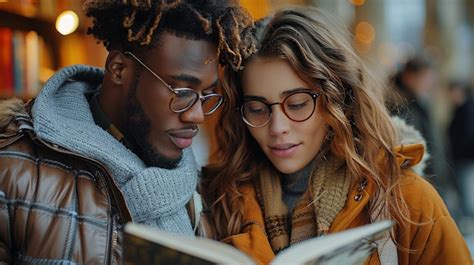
298,106
184,98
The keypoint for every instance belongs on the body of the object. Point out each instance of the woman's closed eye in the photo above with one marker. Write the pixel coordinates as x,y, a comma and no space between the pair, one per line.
297,105
256,107
258,110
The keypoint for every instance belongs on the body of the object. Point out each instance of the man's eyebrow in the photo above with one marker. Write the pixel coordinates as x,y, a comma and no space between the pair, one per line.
187,78
192,80
213,85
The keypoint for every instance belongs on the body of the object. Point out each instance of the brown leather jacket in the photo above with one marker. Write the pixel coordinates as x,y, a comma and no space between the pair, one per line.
56,207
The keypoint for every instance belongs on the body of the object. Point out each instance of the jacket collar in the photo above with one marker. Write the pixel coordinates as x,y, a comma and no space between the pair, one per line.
407,156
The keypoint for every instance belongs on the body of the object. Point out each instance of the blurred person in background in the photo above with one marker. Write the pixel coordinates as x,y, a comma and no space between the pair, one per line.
461,140
413,85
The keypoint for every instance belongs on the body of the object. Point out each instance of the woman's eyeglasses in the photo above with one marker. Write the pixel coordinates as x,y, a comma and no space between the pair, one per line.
298,106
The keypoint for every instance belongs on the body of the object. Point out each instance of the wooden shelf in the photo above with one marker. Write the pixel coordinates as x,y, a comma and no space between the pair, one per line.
42,27
53,50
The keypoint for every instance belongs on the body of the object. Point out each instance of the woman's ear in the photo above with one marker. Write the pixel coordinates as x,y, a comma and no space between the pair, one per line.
115,66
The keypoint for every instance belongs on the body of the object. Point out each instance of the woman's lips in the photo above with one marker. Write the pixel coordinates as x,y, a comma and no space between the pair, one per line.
183,138
284,150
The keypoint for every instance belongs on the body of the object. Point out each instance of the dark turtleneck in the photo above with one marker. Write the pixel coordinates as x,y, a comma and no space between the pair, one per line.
294,185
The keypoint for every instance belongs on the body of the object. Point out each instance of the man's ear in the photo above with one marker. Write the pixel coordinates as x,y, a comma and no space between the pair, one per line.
115,66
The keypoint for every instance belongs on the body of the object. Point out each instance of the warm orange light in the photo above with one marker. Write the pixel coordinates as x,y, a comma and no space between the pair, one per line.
365,32
256,8
67,22
357,2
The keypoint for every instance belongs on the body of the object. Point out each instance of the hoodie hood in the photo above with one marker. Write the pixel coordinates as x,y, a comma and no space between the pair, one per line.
90,78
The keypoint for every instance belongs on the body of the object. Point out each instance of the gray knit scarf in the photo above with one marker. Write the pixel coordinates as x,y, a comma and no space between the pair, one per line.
155,196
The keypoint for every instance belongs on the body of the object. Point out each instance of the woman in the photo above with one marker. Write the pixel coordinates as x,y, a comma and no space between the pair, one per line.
303,127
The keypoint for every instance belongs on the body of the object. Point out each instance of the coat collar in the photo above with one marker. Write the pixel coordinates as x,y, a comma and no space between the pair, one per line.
407,156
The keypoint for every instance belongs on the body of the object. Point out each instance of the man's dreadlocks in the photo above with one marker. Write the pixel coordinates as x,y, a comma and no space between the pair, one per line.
136,24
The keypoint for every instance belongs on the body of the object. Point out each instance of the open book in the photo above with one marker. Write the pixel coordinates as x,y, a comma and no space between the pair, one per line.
143,245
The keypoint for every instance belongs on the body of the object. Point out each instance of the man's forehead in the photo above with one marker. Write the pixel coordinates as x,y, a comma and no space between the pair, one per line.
180,52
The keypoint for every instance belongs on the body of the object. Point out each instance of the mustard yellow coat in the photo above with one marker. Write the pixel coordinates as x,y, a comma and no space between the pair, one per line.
437,242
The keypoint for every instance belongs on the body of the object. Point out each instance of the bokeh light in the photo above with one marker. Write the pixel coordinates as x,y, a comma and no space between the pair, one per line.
67,22
365,32
357,2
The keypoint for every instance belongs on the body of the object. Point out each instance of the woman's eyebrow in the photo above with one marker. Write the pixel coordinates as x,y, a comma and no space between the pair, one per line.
282,94
298,89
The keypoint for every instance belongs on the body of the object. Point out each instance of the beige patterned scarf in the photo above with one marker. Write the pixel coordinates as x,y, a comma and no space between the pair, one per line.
314,213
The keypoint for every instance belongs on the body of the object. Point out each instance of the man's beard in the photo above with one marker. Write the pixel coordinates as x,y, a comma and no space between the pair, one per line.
139,129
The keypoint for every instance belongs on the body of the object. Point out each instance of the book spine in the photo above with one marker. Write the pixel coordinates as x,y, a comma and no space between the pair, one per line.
19,62
6,61
32,63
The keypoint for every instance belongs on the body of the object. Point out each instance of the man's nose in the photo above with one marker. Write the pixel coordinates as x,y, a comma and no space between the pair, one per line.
195,114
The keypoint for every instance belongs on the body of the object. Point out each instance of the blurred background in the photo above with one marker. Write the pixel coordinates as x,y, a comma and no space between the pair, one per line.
421,49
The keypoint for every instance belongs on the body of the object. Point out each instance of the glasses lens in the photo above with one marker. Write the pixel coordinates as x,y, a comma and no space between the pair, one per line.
255,113
299,106
183,100
210,103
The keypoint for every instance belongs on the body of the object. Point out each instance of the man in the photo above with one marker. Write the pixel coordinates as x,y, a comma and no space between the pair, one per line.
97,149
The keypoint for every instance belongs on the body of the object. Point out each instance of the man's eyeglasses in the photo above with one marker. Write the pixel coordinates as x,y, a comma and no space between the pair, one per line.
298,106
184,98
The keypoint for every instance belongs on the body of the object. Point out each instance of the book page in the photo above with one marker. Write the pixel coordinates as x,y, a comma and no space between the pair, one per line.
352,246
145,245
